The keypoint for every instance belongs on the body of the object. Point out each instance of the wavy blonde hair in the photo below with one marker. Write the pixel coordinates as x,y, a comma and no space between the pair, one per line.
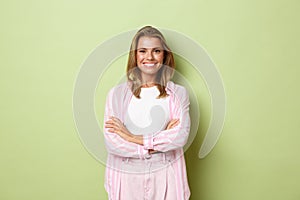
164,74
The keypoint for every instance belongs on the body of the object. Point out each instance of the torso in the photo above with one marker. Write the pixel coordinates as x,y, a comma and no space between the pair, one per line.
147,114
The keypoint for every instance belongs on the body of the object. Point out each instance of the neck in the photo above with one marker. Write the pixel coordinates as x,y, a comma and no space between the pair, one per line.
145,85
148,81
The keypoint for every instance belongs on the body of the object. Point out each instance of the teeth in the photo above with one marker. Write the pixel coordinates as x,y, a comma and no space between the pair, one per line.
149,65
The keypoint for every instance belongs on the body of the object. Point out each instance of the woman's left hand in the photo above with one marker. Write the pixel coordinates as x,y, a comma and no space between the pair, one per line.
115,125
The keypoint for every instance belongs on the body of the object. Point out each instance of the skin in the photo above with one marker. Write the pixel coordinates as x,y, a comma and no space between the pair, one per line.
149,59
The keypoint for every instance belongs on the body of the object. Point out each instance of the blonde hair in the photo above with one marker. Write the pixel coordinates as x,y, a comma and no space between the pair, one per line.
164,74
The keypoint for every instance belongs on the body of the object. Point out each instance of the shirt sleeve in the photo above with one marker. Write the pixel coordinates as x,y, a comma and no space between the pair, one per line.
176,137
114,143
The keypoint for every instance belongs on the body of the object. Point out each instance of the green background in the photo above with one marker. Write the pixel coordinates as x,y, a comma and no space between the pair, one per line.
254,44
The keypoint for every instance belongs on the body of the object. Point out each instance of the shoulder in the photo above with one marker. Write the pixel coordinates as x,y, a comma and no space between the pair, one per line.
176,88
178,92
120,88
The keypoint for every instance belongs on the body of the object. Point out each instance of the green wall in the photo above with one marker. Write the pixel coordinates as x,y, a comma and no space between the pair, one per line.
254,44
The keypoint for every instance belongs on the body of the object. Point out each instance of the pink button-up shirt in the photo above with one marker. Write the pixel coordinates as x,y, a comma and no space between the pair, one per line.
174,139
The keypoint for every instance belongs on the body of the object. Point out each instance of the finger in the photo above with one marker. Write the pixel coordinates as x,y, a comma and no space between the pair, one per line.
113,118
109,122
109,126
176,123
111,130
114,130
172,125
169,126
173,122
113,123
117,120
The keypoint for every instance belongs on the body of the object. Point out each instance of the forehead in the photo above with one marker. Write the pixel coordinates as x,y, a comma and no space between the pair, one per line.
148,42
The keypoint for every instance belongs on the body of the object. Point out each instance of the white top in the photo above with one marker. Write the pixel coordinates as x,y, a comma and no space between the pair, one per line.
147,114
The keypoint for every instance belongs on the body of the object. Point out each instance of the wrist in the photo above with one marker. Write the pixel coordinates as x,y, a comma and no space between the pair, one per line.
138,139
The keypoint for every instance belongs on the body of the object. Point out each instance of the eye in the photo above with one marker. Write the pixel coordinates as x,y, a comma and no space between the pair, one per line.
157,50
142,51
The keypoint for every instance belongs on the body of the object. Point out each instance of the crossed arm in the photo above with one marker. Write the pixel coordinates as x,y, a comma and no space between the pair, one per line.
116,126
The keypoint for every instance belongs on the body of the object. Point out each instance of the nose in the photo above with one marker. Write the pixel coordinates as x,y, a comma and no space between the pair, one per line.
149,55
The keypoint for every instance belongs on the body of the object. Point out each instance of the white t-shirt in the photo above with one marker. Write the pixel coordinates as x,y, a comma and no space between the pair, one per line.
147,114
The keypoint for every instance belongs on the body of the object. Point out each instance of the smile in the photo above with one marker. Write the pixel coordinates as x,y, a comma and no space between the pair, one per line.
149,64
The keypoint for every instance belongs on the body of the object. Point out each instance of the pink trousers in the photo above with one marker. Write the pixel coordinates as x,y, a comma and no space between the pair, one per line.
148,179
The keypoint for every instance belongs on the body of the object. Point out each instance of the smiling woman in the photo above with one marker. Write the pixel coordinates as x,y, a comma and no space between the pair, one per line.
147,123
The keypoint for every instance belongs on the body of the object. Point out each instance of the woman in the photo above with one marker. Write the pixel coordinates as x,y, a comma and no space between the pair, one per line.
147,123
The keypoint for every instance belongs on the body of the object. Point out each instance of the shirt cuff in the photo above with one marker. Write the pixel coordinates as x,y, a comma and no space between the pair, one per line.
148,141
143,153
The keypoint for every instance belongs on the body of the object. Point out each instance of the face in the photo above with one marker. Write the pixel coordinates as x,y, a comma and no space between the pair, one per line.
150,57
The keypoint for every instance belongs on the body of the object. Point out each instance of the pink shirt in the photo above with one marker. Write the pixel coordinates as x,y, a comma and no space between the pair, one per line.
165,141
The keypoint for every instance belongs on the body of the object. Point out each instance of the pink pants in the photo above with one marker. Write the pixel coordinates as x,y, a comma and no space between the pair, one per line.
149,179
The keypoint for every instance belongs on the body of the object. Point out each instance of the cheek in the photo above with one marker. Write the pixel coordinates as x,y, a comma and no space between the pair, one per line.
159,58
139,58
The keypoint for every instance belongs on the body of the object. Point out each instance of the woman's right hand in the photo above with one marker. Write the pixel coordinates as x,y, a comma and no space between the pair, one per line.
172,123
